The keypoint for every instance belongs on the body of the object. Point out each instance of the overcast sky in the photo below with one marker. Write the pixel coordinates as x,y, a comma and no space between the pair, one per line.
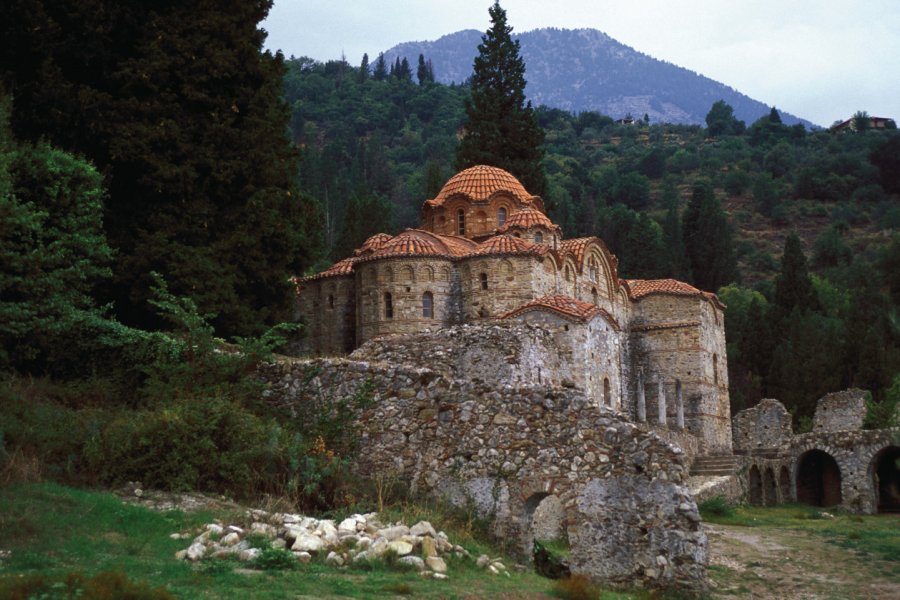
819,59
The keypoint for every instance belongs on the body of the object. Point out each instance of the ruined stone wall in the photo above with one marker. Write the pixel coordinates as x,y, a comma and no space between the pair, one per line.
683,339
406,280
762,428
840,411
504,449
327,310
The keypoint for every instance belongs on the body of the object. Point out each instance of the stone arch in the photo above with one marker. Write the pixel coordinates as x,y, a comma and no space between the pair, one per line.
818,479
784,484
445,273
885,477
770,490
427,273
506,270
543,515
388,274
756,487
407,273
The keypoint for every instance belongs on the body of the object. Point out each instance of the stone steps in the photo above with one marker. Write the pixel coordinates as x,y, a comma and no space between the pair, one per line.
713,464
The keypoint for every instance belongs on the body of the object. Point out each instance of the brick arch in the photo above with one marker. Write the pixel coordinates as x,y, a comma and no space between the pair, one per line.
529,494
819,477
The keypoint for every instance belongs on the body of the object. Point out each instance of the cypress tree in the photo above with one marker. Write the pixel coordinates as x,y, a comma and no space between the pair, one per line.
708,239
381,72
181,110
673,237
502,129
425,71
793,287
364,68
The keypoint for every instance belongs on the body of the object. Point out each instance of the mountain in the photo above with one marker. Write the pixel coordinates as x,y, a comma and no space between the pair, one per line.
585,69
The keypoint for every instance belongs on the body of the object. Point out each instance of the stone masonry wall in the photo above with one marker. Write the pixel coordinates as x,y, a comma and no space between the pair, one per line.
764,427
840,411
628,516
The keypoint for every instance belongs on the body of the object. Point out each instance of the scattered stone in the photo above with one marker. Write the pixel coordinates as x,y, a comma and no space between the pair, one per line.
422,528
436,564
400,547
304,557
428,547
230,539
279,544
413,561
308,543
195,551
249,554
334,559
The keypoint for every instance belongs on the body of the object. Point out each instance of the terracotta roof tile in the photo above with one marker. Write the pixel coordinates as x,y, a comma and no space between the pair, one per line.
640,288
458,245
506,244
372,244
342,267
576,247
526,218
566,306
481,182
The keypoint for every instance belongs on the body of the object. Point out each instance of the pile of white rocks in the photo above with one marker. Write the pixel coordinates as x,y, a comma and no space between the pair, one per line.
356,539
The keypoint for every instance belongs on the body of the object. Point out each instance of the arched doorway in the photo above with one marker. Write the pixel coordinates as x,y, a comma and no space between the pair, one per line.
544,520
784,483
769,491
756,493
818,479
886,479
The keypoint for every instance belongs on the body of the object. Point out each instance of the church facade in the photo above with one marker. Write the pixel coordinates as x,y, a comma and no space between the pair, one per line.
486,254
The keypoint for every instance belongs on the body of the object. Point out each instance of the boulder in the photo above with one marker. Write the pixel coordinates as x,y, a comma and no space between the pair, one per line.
422,528
306,542
412,561
436,564
400,547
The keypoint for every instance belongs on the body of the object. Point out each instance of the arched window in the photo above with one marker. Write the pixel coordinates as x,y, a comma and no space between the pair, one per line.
461,222
484,281
330,301
595,297
607,394
428,305
501,217
593,267
538,238
568,274
388,306
715,369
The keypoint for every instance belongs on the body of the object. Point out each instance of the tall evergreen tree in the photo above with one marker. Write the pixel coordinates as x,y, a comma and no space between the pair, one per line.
708,239
793,287
502,129
425,71
380,73
673,236
182,111
364,68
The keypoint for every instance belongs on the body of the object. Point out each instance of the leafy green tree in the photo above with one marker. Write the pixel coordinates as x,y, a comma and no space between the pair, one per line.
861,121
632,190
637,241
181,110
886,156
720,120
708,239
502,129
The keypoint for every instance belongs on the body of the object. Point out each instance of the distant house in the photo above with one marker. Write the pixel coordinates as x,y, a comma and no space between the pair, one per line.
874,123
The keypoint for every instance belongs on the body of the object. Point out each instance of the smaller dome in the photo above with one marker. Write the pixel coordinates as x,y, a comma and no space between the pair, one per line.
527,218
505,244
372,244
410,243
481,182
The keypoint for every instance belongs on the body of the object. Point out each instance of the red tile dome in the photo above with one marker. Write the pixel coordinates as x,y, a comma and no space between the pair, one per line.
481,182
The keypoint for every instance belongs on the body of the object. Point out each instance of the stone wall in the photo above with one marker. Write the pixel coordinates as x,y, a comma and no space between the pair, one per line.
764,427
840,411
327,310
504,449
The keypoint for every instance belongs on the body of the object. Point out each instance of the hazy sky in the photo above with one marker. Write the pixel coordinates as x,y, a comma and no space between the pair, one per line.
819,59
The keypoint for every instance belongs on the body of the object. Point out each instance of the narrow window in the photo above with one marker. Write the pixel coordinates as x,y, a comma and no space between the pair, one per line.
461,222
568,274
428,305
607,396
538,238
501,217
388,306
593,271
330,301
595,296
484,283
715,369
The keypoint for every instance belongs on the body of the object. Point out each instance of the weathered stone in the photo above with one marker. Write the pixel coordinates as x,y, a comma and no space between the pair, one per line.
429,547
195,551
400,547
303,557
249,554
308,543
412,561
436,564
334,559
422,528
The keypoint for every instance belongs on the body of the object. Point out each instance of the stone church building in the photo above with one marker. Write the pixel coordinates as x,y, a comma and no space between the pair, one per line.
486,255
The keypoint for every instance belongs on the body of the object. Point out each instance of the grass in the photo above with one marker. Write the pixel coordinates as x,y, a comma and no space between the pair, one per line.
877,536
52,530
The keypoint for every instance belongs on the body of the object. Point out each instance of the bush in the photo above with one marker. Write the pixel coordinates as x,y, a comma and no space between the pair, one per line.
717,506
884,414
275,559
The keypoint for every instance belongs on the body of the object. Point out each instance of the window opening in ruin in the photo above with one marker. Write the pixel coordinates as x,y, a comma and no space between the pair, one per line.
784,482
461,222
545,519
428,305
769,494
388,306
501,217
607,395
484,281
818,479
886,475
330,301
716,369
538,238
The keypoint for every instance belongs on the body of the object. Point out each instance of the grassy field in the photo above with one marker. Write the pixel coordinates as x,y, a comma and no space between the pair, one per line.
50,531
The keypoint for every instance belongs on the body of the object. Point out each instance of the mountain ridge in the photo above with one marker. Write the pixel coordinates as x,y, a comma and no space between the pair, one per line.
602,74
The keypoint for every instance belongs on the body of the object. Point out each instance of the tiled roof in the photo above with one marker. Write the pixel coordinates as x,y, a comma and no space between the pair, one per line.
372,244
639,288
506,244
479,183
457,245
411,243
526,218
564,305
577,248
342,267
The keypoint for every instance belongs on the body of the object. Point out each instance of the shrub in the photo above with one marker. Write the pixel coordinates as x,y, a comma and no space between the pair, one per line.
577,587
716,506
275,559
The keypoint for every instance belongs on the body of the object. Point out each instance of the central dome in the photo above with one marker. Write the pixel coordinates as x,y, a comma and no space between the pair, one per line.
481,182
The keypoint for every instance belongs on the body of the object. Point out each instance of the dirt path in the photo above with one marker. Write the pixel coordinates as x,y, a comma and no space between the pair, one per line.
768,562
